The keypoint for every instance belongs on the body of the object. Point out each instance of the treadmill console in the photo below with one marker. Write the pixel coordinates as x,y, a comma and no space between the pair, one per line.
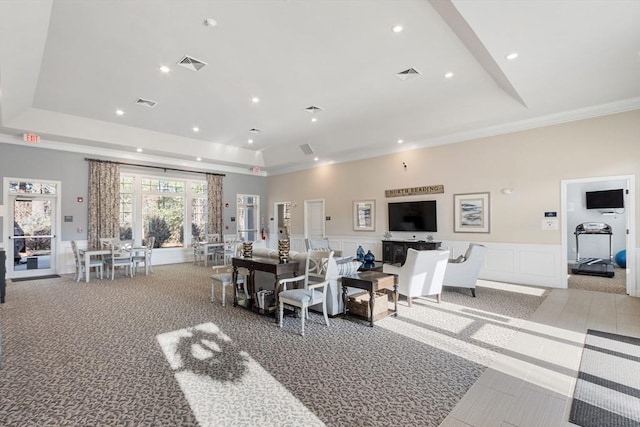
593,228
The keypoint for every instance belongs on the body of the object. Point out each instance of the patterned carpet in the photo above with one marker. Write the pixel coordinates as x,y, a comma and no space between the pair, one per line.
613,285
155,351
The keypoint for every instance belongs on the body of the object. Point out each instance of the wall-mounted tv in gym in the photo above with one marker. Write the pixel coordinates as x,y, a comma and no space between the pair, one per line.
607,199
413,216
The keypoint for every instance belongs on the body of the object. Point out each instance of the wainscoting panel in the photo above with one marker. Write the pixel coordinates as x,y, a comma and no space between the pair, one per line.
500,260
536,265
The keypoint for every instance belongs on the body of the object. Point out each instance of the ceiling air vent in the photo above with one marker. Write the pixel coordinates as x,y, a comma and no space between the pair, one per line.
191,63
146,102
407,74
255,130
306,149
313,109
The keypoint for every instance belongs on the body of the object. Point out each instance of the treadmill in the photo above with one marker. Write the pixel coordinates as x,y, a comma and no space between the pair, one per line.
593,266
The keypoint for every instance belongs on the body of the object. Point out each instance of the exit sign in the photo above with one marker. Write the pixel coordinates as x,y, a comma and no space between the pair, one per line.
31,137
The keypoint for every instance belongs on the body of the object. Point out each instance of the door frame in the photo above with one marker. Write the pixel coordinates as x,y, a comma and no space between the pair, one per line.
633,288
8,203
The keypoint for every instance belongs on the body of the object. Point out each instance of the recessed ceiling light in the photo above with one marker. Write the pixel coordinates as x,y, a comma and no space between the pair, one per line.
400,141
448,75
255,99
198,159
512,56
196,129
397,28
314,119
119,112
165,69
210,22
250,141
139,150
315,159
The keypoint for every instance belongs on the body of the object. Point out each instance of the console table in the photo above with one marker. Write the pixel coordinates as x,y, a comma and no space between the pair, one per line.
395,251
269,265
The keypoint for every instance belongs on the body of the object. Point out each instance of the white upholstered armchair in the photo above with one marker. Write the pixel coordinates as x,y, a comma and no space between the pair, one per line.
463,273
421,274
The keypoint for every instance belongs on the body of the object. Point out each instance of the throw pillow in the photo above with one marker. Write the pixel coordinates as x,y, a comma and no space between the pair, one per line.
348,268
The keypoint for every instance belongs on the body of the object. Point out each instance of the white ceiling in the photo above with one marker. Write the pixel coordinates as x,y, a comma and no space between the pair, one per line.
67,65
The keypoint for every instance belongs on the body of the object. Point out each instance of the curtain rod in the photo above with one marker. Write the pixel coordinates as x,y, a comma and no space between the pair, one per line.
155,167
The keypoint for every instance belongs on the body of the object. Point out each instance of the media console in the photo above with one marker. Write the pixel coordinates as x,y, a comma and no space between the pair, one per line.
395,251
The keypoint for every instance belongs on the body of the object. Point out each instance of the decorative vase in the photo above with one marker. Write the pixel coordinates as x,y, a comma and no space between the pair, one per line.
247,249
283,250
369,258
360,254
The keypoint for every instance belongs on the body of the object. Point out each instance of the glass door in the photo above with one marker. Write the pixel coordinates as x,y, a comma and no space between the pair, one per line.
32,250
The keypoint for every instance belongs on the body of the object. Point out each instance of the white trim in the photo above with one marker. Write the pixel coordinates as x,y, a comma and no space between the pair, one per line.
527,264
622,106
306,216
55,241
633,283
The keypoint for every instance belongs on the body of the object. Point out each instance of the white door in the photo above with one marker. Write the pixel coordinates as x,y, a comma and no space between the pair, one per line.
32,227
314,219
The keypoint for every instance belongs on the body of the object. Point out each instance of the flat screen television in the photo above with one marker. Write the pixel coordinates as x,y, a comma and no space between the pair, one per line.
413,216
606,199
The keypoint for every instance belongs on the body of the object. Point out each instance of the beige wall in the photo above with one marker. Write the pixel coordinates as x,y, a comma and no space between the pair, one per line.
531,162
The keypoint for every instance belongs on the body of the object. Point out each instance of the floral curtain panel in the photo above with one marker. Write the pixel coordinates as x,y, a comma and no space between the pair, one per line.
214,188
104,201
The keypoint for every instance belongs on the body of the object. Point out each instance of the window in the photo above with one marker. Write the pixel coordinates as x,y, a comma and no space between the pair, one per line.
199,211
248,215
159,207
126,207
31,188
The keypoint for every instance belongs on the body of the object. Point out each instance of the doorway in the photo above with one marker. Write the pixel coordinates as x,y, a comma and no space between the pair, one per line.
314,219
32,218
622,222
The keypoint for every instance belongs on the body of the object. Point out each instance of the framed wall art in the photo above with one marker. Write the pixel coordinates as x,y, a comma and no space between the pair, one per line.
471,213
364,215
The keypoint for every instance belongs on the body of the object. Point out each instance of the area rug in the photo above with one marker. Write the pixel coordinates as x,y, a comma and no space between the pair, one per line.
26,279
608,388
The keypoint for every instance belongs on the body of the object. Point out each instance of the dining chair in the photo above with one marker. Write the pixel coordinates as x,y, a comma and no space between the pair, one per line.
223,280
80,262
230,244
121,256
198,250
307,294
215,252
145,257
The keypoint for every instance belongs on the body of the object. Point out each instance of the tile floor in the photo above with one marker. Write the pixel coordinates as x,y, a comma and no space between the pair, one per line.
531,383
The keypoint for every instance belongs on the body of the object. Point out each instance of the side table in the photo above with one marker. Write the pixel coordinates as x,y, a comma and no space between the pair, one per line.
371,281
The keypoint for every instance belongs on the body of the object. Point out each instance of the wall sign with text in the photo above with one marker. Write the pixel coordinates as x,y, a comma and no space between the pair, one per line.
415,191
